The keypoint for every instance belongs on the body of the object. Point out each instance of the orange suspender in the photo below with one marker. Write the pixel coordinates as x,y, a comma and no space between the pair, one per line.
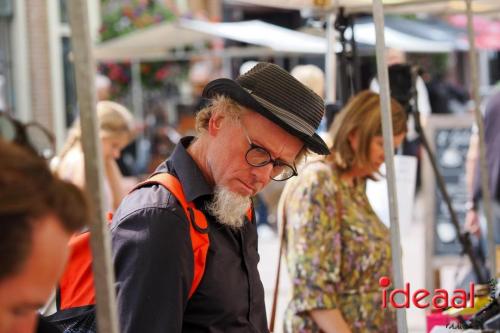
76,286
198,226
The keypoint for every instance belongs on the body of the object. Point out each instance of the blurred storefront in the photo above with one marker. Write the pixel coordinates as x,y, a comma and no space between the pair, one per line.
36,77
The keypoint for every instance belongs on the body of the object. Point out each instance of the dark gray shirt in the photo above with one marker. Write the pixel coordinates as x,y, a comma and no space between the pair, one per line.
153,261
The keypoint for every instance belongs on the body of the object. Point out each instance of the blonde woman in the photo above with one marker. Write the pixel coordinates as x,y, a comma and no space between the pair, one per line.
336,247
116,130
311,76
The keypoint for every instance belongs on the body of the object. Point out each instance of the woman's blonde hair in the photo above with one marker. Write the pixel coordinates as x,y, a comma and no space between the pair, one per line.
361,115
113,120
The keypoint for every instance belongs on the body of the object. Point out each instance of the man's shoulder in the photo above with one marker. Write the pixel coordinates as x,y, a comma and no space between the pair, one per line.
155,199
46,327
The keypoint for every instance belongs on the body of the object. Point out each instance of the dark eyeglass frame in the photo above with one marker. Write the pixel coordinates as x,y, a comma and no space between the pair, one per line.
22,135
274,162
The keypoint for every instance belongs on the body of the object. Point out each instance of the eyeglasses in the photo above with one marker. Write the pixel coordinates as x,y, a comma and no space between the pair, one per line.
258,156
32,136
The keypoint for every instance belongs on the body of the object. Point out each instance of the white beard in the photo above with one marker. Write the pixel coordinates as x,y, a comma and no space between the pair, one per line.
229,208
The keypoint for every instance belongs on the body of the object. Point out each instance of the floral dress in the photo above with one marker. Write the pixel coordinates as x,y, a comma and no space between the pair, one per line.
335,259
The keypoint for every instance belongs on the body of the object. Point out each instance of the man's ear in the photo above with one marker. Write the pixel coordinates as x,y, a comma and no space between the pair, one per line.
215,123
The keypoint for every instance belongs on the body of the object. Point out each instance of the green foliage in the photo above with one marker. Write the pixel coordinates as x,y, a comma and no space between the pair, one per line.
131,16
134,15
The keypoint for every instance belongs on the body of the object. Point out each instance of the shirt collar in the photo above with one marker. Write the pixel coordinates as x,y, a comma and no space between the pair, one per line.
187,171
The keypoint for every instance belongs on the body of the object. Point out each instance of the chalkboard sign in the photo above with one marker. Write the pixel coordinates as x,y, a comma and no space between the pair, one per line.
451,146
449,137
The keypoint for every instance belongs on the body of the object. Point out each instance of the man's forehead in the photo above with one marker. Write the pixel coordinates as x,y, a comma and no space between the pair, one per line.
271,136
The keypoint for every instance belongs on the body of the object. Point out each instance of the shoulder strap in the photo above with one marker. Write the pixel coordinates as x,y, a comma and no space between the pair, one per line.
76,286
282,222
281,208
198,226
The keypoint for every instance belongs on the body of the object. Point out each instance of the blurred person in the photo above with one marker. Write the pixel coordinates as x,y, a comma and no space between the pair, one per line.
314,78
185,243
116,130
161,134
403,85
38,214
336,247
200,73
398,57
311,76
475,222
103,87
444,96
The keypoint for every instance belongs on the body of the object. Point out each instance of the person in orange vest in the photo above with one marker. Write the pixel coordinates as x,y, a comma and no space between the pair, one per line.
38,214
185,246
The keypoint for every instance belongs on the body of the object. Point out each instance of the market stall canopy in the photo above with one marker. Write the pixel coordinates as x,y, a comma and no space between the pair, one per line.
153,42
257,32
431,28
443,7
487,32
407,40
157,42
390,6
287,40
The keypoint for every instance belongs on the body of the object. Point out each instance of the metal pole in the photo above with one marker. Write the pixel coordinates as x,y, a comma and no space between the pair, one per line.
330,60
137,90
101,246
383,77
482,150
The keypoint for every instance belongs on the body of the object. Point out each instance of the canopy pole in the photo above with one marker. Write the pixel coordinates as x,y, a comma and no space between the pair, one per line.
137,92
85,70
383,77
330,60
482,147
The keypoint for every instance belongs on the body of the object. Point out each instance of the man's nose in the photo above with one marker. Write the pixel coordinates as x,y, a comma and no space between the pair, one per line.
263,174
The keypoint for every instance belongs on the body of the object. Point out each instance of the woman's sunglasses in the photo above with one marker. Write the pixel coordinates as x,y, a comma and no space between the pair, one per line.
31,135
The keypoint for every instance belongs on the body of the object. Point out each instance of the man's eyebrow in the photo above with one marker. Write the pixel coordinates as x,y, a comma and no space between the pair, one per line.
258,143
273,154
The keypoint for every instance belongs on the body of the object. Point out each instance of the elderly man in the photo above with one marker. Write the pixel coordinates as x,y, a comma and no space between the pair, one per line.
38,214
186,258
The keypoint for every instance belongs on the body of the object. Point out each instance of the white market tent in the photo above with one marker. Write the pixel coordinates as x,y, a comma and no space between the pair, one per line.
286,40
149,43
365,33
157,42
390,6
261,33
